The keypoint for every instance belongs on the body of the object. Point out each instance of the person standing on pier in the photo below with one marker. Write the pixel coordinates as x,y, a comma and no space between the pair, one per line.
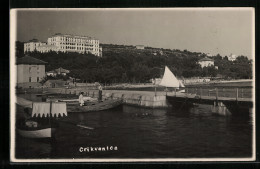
100,93
81,101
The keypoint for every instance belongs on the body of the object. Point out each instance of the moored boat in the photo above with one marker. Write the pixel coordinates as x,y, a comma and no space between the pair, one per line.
74,107
40,133
41,124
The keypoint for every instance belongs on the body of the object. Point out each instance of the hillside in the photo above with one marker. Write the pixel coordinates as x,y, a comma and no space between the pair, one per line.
127,64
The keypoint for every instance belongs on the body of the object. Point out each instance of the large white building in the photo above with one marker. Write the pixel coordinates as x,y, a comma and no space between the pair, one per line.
32,45
71,43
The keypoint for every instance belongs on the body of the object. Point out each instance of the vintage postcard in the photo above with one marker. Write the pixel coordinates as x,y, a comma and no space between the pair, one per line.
132,85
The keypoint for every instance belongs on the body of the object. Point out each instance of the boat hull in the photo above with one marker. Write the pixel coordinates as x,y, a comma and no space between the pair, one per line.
99,106
41,133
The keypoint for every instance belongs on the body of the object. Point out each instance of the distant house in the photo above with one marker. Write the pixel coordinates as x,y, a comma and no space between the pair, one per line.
156,81
30,71
206,62
232,57
161,52
59,71
51,73
62,71
139,46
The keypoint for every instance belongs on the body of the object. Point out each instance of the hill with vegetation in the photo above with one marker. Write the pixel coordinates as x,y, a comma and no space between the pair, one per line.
121,63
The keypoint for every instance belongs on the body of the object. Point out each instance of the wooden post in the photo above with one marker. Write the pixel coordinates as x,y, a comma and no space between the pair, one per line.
216,94
175,92
236,94
155,91
200,92
242,92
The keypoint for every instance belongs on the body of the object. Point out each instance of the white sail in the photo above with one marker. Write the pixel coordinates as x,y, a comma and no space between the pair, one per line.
169,80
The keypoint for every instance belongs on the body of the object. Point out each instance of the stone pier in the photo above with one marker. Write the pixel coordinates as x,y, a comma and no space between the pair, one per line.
136,98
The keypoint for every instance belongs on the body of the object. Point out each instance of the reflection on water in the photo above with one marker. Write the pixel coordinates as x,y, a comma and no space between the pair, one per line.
147,133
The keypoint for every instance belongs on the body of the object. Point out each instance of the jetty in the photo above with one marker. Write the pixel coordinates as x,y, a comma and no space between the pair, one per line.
226,98
222,98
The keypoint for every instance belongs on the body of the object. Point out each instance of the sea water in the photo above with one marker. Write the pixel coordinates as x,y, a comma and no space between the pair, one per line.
134,132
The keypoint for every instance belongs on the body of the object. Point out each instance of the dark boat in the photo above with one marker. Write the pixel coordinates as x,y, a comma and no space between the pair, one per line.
73,105
94,106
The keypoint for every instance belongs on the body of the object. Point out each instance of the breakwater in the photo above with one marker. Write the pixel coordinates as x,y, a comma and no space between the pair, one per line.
136,98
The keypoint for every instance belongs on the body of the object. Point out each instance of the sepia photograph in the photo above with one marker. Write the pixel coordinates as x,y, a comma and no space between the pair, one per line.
132,84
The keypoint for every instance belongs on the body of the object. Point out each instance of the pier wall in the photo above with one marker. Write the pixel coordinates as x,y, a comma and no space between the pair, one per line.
136,98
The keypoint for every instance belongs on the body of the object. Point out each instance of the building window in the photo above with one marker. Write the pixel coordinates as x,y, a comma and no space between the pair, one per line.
30,69
30,79
38,79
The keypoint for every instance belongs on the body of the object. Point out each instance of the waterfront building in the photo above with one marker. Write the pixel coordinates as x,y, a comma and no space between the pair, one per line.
30,71
32,45
75,43
232,57
139,46
206,62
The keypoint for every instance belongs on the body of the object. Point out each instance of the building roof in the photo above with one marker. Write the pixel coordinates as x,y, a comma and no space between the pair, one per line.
29,60
34,40
61,70
205,59
74,36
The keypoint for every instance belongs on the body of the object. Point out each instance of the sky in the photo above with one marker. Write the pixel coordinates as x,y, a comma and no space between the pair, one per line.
206,30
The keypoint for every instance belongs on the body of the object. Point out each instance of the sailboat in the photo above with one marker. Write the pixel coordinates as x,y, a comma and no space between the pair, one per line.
169,80
40,124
